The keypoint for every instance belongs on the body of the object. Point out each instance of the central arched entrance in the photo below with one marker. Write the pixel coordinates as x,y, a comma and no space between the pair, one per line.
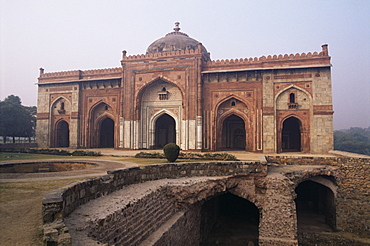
106,136
62,134
291,135
229,220
233,133
165,131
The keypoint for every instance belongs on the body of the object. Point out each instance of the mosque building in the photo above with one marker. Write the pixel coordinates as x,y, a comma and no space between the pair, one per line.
176,93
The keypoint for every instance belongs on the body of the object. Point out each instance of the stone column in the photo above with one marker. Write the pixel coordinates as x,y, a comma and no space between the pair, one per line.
278,225
121,121
199,132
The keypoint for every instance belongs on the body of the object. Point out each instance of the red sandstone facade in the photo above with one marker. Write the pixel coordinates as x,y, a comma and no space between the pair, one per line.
176,93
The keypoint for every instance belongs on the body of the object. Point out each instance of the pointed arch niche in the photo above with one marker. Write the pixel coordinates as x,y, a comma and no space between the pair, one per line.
230,220
102,126
291,135
315,204
62,134
160,114
293,119
165,131
233,129
60,124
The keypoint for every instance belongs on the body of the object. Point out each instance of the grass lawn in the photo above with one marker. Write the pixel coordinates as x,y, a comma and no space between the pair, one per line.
4,156
21,202
7,156
21,210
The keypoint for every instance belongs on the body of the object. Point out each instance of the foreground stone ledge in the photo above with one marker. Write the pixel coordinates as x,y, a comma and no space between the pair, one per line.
60,203
269,185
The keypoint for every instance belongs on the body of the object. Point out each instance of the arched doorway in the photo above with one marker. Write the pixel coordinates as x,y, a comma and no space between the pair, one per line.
106,136
315,205
62,134
165,131
291,135
229,220
233,133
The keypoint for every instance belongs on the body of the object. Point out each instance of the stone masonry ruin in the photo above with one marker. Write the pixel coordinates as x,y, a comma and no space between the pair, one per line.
193,203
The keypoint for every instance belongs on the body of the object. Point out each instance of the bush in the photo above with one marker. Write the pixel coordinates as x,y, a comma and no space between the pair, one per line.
191,156
149,155
171,151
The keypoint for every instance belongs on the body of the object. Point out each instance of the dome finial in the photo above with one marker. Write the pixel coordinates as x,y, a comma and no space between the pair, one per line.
177,28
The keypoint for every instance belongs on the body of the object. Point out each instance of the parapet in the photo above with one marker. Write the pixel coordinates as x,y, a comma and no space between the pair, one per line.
272,61
168,54
74,75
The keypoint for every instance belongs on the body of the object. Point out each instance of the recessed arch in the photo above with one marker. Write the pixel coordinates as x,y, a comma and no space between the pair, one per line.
315,204
230,220
233,128
233,134
61,134
291,135
145,87
157,98
293,87
232,98
106,133
165,131
101,125
60,106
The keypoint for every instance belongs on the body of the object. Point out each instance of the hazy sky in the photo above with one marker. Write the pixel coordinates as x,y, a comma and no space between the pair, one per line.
71,34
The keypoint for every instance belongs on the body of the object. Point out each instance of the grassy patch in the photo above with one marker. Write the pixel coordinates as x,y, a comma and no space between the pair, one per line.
21,210
4,156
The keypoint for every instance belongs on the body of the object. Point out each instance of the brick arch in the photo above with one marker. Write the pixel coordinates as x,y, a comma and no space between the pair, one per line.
293,87
94,123
248,126
316,197
57,99
61,134
328,178
229,210
304,132
139,95
53,111
221,101
95,105
152,125
57,115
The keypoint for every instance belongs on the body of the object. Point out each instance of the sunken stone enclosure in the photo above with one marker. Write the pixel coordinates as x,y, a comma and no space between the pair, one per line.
182,203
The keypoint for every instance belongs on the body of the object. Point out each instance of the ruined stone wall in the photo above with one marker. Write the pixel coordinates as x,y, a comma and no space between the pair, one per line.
185,231
60,203
353,193
135,222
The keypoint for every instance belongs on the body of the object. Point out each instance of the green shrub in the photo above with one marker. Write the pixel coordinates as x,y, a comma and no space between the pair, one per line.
149,155
171,151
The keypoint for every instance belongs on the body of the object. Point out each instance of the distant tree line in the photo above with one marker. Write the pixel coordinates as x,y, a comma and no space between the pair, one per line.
16,120
355,139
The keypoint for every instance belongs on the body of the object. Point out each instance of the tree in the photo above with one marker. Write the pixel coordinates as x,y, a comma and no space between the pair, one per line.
16,120
355,140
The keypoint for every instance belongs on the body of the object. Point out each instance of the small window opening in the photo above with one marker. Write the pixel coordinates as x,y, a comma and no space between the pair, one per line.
106,107
163,94
292,101
61,110
233,103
